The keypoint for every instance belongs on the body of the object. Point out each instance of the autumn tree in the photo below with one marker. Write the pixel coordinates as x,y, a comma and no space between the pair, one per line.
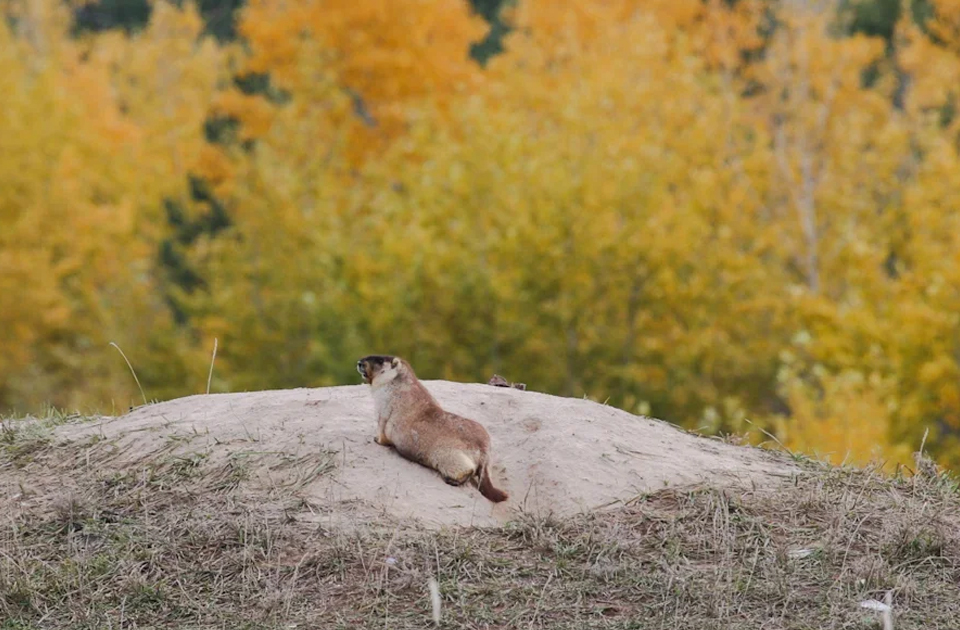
89,147
382,58
870,366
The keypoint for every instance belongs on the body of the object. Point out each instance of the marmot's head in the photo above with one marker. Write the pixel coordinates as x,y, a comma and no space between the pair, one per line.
380,369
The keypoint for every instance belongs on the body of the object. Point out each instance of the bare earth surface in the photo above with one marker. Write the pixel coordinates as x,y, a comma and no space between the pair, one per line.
553,455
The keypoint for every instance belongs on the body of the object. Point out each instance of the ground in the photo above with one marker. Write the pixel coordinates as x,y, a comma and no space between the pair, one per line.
277,510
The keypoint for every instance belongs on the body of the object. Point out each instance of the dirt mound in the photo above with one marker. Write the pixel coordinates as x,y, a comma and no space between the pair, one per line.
553,455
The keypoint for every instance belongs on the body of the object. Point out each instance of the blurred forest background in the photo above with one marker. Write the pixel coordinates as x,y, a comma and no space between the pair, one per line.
731,214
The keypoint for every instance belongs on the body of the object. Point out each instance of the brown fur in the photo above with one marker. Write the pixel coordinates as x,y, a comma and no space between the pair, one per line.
412,421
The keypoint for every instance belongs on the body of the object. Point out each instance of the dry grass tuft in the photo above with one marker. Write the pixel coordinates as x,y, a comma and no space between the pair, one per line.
176,544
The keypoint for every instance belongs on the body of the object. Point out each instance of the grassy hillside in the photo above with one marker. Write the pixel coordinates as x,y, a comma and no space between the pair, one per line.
175,544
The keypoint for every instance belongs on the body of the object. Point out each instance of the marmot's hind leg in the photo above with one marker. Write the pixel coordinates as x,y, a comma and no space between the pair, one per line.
456,468
457,481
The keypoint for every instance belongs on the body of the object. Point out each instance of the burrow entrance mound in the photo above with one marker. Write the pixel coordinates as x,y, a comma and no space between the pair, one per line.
553,455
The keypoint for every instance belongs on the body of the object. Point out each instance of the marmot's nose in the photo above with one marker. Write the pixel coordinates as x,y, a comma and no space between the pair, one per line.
360,364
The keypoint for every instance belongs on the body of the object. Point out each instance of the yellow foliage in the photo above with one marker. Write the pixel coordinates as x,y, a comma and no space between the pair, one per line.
844,418
84,164
384,56
934,70
706,212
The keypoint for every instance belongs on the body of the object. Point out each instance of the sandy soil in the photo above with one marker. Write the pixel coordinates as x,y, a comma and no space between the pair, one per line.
553,455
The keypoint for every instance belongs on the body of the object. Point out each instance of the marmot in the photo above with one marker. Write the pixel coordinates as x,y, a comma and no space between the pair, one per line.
412,421
498,381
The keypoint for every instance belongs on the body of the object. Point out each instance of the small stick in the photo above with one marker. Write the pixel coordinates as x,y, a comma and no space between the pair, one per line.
434,599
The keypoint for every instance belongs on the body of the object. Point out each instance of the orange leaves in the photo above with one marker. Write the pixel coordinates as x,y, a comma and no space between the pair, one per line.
272,28
388,57
255,113
215,169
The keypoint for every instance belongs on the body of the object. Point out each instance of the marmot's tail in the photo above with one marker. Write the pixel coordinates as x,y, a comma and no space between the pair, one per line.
486,486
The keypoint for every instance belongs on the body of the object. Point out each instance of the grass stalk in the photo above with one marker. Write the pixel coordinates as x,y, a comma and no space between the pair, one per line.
132,371
212,359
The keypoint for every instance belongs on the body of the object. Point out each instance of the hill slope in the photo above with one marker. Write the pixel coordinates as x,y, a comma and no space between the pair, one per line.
553,455
274,510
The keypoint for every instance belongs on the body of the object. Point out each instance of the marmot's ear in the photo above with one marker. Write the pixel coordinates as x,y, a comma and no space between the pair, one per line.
395,363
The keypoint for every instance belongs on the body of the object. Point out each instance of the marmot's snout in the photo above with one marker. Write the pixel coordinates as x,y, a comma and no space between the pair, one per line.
362,368
371,366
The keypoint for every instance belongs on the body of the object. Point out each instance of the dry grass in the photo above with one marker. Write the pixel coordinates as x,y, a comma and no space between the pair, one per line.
178,544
